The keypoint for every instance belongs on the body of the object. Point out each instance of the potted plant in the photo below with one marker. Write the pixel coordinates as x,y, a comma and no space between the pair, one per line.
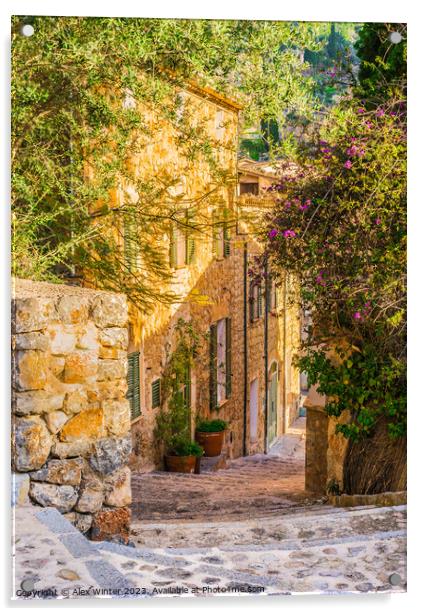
183,455
210,435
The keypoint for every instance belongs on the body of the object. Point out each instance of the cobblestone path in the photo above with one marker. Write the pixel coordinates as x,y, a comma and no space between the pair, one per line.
248,487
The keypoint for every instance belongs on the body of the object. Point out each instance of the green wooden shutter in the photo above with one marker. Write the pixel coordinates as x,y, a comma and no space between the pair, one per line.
226,235
156,393
190,238
260,301
133,380
173,246
213,385
130,244
228,374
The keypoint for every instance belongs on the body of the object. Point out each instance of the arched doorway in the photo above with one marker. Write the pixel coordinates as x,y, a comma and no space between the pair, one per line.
272,403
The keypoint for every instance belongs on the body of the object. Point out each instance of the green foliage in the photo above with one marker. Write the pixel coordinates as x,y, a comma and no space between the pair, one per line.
78,85
340,229
173,419
211,425
184,447
382,70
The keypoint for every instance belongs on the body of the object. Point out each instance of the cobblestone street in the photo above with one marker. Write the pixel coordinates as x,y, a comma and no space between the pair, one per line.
265,535
248,487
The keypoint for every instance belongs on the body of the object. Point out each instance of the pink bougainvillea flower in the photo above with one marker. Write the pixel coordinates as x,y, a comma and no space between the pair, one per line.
303,207
273,233
348,164
378,221
368,124
357,316
361,110
379,113
289,233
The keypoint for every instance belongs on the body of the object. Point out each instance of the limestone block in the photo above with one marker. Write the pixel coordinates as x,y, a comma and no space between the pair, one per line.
114,337
72,309
79,366
111,525
118,486
107,390
32,314
87,425
88,337
110,369
110,454
57,365
110,311
30,370
20,489
117,416
75,401
55,421
62,339
51,495
31,341
82,521
36,402
32,443
62,472
91,494
72,449
111,353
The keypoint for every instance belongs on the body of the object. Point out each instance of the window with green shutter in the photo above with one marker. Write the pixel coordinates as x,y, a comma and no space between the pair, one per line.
133,380
228,374
130,244
156,391
221,237
213,383
256,301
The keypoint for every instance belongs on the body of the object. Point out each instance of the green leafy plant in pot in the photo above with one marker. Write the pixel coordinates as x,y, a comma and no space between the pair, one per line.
210,435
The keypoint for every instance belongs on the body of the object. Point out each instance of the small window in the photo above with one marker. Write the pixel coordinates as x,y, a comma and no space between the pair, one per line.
182,246
220,362
249,188
156,394
256,301
133,381
221,236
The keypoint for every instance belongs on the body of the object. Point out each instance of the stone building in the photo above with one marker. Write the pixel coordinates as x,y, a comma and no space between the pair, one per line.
243,371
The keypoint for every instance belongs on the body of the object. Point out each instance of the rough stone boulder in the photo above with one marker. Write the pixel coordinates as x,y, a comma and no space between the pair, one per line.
109,311
32,443
51,495
87,425
32,314
110,454
111,525
30,370
118,486
66,472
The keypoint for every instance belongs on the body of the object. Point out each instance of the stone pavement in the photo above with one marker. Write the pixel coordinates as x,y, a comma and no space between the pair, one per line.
320,550
251,486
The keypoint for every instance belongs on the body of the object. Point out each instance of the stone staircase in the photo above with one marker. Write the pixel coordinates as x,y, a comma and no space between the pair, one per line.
318,550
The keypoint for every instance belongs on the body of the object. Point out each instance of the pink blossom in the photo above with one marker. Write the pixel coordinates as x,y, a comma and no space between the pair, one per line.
289,233
361,110
348,164
378,221
357,316
273,233
379,112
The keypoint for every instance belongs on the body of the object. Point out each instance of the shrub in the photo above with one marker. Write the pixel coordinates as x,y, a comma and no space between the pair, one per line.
212,425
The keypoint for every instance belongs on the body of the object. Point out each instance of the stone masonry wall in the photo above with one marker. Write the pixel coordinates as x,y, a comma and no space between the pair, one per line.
70,415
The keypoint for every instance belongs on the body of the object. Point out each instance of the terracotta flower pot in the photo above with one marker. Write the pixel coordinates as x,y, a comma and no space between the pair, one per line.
180,464
211,442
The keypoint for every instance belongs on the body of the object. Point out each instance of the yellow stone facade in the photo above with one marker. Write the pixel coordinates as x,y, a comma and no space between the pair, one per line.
214,286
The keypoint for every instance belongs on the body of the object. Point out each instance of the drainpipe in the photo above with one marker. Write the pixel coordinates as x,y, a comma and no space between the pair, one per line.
266,354
245,348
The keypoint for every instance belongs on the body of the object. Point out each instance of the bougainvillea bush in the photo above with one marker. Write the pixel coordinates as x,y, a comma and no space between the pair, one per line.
340,227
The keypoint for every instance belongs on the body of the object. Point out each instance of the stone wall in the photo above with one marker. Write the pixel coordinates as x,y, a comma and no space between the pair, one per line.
71,419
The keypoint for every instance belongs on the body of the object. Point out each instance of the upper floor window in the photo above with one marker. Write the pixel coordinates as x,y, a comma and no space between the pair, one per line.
249,188
133,381
182,246
221,240
256,301
219,124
